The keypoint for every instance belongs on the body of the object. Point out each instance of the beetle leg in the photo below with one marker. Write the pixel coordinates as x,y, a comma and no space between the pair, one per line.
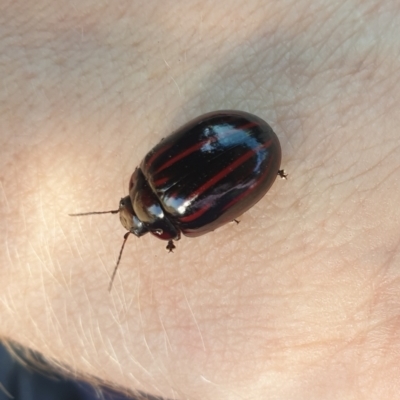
282,174
170,246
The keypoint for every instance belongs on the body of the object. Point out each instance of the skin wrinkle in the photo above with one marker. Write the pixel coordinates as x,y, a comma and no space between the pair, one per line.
194,319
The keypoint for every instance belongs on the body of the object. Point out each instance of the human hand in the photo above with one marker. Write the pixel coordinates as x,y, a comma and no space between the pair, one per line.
298,301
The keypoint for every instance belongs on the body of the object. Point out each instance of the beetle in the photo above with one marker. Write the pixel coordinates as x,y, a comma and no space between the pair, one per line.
203,175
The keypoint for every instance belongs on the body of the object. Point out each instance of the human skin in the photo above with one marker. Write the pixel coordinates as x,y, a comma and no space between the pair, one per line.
301,300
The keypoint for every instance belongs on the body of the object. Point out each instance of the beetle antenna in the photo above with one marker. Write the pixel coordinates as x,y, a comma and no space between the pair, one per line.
119,259
94,212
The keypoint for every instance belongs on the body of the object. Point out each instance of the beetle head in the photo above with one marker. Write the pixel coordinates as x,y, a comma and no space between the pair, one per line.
128,218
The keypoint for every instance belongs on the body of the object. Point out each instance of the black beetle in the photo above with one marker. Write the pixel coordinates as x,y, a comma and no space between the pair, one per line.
205,174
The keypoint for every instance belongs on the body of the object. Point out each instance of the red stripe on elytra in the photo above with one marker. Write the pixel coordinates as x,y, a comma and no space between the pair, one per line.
247,126
251,188
157,154
181,155
217,178
196,214
222,174
161,181
227,170
197,146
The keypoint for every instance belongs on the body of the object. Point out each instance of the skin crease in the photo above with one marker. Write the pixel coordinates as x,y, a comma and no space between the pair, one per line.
301,299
